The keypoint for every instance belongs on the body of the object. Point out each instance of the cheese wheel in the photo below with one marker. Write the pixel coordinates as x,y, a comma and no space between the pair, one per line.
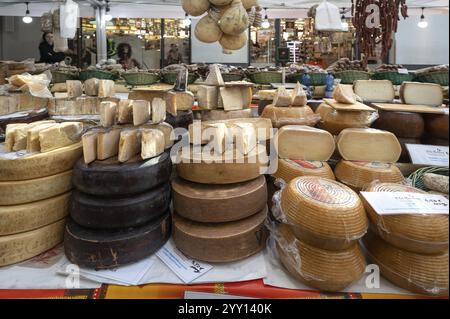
437,125
217,115
19,247
103,249
280,116
290,169
401,124
323,213
325,270
427,140
421,93
423,274
215,170
356,144
221,242
218,203
21,218
22,192
359,174
423,234
381,91
23,166
183,119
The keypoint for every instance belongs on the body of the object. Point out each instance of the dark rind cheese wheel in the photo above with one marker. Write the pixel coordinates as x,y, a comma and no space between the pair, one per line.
428,140
23,117
436,125
402,124
404,157
109,177
183,119
119,212
219,203
220,242
102,249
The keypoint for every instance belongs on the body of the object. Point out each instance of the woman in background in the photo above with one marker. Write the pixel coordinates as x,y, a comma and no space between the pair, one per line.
48,55
124,53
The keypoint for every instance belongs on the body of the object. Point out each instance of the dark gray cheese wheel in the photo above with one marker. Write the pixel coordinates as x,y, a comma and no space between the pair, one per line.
183,119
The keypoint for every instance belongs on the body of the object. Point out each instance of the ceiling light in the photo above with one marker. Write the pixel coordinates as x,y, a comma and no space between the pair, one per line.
187,21
422,23
108,16
27,19
265,24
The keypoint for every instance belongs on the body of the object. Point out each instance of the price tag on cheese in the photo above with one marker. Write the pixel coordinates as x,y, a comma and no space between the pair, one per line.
400,203
403,71
185,268
431,155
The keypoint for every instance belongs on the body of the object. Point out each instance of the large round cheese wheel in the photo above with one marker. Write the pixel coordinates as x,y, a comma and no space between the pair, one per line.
402,124
359,175
119,211
195,167
19,247
290,169
22,192
183,119
218,115
437,125
109,177
18,166
102,249
218,203
424,234
16,219
323,213
423,274
325,270
428,140
281,116
221,242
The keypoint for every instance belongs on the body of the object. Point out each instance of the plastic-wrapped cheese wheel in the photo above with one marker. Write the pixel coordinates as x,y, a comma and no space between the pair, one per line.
290,169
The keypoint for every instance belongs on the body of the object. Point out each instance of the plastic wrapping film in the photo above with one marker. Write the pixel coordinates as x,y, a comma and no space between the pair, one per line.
295,115
290,169
36,85
320,212
418,233
424,274
359,174
335,121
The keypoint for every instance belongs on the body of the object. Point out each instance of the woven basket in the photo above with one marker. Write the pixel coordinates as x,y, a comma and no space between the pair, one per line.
438,77
230,77
318,79
265,77
350,76
294,77
171,77
140,78
62,77
98,74
395,77
416,177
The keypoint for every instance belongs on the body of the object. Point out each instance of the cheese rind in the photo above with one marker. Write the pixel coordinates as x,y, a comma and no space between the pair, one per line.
108,112
108,143
344,94
179,101
381,91
125,112
158,112
91,87
89,140
21,134
152,142
217,115
141,112
207,97
33,143
290,169
10,135
129,144
421,93
166,129
74,88
60,135
106,88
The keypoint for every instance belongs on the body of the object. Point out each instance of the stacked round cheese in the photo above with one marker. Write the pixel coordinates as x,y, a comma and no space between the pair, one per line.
436,129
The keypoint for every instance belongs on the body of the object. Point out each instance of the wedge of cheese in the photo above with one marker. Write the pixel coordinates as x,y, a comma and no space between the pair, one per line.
91,87
298,95
106,88
108,143
108,112
166,129
158,112
89,140
33,143
244,137
381,91
282,98
129,144
152,142
21,134
344,94
421,93
179,101
207,97
232,98
74,88
141,112
125,112
60,135
215,76
10,135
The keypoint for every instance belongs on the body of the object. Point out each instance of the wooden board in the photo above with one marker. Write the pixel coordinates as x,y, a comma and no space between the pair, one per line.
230,84
348,107
410,108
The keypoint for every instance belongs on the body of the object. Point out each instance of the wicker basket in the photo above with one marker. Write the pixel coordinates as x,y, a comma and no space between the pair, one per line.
350,76
438,77
294,77
395,77
265,77
416,177
62,77
98,74
171,77
230,77
140,78
318,79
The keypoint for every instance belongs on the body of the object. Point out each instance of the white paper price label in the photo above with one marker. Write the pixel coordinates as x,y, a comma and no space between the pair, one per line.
403,71
432,155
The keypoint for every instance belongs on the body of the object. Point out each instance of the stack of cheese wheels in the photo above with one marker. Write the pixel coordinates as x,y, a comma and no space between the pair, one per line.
436,128
35,188
290,108
324,220
220,202
303,151
367,155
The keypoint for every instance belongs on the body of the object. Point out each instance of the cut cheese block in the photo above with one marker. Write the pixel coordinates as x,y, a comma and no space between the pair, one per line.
421,93
207,97
158,110
102,249
267,95
27,191
91,87
219,136
125,112
227,168
356,144
437,125
344,94
23,246
419,233
60,135
299,97
106,88
214,77
108,112
74,88
244,136
321,269
16,219
108,143
359,175
152,143
115,212
290,169
381,91
401,124
166,129
304,143
141,112
21,134
283,98
24,166
148,93
179,101
280,116
33,143
234,98
10,135
182,119
423,274
324,213
221,242
217,115
89,140
110,177
219,203
129,144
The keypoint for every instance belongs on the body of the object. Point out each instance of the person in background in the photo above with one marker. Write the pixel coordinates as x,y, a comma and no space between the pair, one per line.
124,53
174,56
48,55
